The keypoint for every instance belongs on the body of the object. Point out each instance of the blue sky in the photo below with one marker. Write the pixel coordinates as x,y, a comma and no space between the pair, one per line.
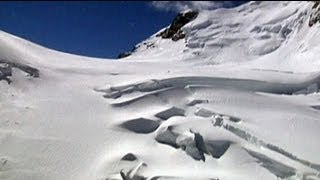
98,29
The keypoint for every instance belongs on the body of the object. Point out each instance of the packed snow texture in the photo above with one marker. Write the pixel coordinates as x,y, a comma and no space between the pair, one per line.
236,99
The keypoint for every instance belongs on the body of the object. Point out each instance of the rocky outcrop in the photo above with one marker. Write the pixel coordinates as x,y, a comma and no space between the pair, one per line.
315,14
174,31
124,54
148,45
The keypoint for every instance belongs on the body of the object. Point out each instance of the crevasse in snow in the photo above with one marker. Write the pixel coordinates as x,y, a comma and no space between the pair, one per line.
237,98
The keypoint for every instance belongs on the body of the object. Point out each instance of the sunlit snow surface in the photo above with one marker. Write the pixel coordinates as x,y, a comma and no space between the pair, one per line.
236,100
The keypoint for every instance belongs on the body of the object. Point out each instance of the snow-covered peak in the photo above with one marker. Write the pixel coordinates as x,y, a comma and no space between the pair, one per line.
234,35
269,34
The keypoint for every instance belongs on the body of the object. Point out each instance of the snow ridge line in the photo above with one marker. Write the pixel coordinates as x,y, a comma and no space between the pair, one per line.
258,142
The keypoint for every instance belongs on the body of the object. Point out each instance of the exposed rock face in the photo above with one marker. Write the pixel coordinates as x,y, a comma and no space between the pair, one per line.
128,53
179,35
315,14
174,31
124,54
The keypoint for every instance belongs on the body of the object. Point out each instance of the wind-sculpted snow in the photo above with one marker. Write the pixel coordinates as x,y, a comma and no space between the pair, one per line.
245,33
197,101
166,114
6,70
178,132
316,107
277,168
129,157
207,113
198,81
5,73
194,146
236,99
141,125
252,139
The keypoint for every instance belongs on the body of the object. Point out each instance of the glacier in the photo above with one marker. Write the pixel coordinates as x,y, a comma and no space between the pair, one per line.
236,98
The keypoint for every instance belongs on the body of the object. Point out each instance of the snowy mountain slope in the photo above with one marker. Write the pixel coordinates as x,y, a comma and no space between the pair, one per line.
240,102
254,31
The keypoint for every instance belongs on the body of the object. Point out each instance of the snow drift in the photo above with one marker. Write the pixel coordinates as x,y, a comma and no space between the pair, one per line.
237,98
